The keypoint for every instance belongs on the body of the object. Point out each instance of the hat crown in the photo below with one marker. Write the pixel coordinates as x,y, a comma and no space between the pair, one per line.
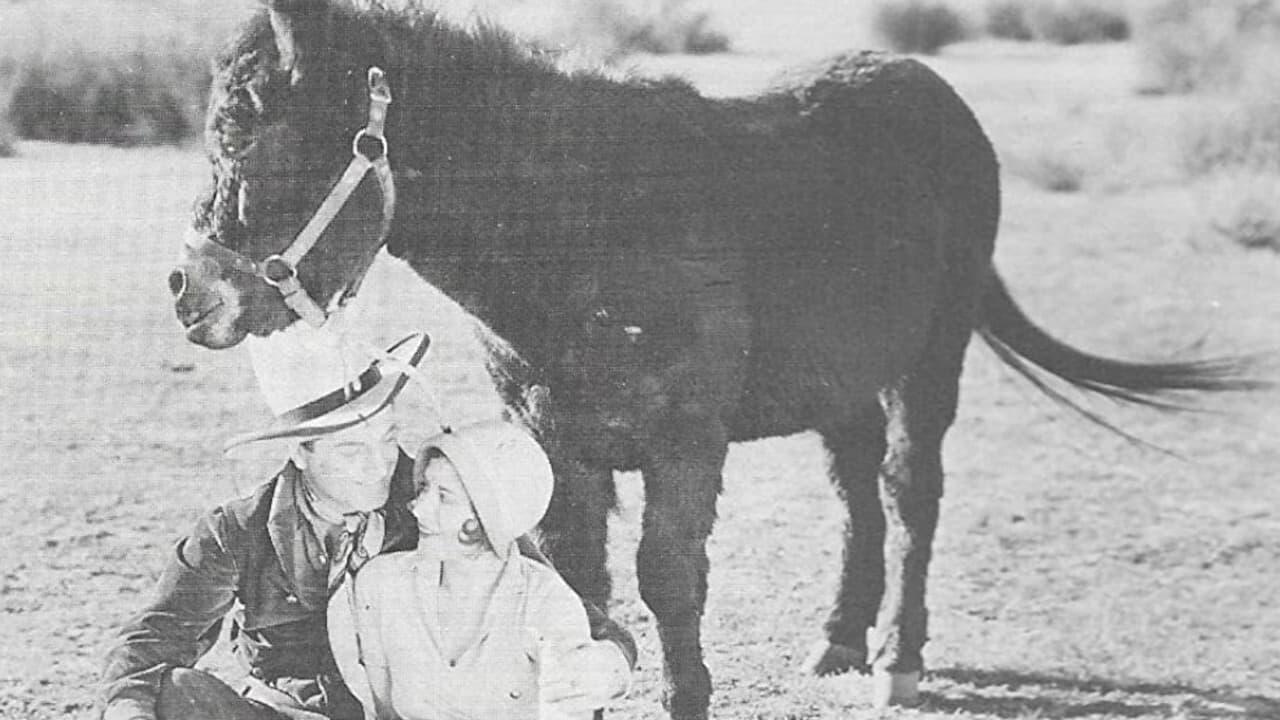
505,472
300,364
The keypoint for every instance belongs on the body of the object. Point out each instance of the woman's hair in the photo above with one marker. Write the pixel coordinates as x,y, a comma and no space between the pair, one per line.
420,479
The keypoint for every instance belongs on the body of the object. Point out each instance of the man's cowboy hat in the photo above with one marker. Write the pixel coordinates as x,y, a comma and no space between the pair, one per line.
318,388
505,472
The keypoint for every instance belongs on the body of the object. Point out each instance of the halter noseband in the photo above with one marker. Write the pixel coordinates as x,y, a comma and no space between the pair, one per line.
369,152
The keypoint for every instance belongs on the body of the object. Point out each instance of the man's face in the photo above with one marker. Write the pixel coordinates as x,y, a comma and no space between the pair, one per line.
351,469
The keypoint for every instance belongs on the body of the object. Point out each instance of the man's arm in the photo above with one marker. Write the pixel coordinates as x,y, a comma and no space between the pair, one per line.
196,590
602,626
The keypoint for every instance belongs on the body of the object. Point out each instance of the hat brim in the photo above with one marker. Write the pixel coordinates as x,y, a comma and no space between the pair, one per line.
371,393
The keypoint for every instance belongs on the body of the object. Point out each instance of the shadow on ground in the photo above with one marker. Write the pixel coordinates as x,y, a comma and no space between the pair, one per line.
1012,694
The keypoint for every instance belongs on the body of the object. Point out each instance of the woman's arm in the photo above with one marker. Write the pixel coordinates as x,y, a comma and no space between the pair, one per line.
576,673
602,626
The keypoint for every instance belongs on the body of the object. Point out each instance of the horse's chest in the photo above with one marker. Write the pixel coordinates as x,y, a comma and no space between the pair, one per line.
638,359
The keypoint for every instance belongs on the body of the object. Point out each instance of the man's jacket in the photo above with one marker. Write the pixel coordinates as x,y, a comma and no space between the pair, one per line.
261,551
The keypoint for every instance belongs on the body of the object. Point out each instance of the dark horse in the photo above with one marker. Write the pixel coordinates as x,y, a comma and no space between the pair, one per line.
679,272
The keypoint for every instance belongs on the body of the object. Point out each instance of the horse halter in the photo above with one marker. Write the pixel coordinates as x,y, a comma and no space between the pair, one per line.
369,152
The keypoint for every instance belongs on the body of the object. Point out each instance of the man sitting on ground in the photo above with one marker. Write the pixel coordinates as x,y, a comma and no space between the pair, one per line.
281,552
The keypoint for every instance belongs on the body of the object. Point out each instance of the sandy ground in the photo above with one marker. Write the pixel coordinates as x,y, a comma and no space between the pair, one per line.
1074,575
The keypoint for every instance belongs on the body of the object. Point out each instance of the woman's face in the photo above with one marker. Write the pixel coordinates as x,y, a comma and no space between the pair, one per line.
446,520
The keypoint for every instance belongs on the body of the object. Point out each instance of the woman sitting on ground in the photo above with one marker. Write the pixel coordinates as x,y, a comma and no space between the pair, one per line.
465,627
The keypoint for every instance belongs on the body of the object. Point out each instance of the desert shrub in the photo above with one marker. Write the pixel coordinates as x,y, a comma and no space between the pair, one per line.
1245,208
1007,19
613,28
8,140
112,71
79,100
1056,168
1231,134
1071,22
918,26
672,29
1188,45
8,137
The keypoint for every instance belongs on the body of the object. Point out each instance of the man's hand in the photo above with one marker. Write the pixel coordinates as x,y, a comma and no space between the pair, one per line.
580,678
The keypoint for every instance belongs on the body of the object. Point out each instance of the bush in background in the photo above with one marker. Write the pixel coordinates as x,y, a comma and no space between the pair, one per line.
134,72
1062,22
918,26
1231,134
621,27
126,102
1052,169
1071,22
1188,45
110,71
8,138
1007,20
1245,208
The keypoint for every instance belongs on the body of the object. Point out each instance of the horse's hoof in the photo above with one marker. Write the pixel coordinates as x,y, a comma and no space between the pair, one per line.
833,659
889,688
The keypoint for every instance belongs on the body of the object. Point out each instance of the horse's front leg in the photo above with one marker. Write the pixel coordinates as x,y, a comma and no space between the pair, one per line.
576,527
682,480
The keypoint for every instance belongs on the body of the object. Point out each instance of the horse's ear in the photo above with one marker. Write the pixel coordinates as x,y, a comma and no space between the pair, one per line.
301,29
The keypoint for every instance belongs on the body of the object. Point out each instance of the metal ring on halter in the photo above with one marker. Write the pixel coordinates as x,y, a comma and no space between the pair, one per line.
364,133
274,279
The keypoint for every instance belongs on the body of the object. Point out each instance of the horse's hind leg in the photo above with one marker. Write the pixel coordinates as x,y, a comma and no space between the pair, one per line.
682,481
856,447
918,410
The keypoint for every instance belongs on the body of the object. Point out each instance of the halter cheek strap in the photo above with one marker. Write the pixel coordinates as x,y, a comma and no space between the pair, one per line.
368,152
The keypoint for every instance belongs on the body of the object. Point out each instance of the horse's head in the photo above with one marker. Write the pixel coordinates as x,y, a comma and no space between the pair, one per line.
293,99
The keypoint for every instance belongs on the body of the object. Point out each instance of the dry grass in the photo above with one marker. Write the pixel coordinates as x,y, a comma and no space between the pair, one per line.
1073,576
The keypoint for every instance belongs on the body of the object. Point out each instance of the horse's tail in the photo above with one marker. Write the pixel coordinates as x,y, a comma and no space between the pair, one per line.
1023,346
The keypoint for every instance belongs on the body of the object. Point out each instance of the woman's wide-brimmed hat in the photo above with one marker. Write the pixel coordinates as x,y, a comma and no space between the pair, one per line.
505,472
317,388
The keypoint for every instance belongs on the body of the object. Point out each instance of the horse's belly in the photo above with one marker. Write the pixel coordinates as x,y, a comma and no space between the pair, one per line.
829,336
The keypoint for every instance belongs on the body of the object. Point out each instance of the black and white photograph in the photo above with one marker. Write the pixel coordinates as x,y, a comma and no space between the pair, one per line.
640,359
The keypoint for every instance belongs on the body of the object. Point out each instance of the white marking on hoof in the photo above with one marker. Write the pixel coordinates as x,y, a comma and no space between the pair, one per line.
894,688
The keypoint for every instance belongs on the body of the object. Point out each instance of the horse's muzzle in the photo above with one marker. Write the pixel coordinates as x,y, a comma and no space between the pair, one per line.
191,307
